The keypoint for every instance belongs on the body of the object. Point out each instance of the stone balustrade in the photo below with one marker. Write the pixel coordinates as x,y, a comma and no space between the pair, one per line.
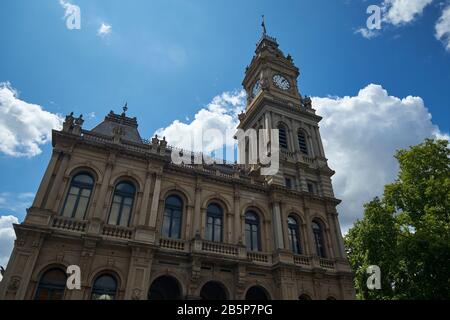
68,224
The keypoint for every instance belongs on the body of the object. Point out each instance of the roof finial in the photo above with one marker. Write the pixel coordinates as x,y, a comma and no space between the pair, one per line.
125,107
263,25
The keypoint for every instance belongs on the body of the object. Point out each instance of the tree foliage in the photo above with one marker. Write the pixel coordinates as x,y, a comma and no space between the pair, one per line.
406,232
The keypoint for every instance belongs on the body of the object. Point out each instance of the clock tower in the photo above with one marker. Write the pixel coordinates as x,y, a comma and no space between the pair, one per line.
274,101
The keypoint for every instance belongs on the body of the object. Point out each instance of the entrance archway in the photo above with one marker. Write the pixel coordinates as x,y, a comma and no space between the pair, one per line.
213,290
257,293
164,288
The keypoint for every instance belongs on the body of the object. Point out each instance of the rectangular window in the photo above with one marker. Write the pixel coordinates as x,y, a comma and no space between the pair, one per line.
288,183
311,187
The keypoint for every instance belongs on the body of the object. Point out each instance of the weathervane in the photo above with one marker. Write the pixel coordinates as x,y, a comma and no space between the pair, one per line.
263,24
125,107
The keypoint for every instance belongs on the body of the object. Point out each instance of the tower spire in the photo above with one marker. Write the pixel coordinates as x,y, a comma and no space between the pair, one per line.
263,25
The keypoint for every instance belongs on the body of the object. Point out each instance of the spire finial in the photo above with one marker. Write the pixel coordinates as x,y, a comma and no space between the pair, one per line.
263,25
125,108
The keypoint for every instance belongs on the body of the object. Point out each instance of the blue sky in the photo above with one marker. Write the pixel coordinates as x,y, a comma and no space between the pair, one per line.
168,59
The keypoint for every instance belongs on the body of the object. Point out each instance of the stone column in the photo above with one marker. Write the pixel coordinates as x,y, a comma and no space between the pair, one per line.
101,206
197,210
51,202
145,200
45,183
277,225
309,233
237,218
189,222
139,273
155,201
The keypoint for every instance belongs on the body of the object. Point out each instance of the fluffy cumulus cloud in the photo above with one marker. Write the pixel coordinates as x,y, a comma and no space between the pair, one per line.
7,237
104,29
220,114
443,28
400,12
24,126
361,134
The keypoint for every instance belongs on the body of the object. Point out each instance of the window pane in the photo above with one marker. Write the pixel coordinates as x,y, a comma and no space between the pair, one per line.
69,206
255,240
248,238
128,201
74,190
209,232
125,215
166,226
82,207
217,233
113,216
176,228
83,178
86,193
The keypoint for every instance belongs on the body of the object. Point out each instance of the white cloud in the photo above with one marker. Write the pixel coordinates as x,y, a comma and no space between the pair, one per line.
221,113
104,29
361,134
366,33
7,237
443,28
16,203
23,126
399,12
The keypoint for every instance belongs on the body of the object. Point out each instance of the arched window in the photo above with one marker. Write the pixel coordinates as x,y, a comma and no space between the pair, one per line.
213,290
104,288
302,142
122,204
304,297
257,293
78,196
214,223
173,210
252,232
51,285
294,235
165,288
282,136
318,239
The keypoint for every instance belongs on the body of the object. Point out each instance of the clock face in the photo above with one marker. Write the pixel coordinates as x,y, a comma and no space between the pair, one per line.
281,82
256,88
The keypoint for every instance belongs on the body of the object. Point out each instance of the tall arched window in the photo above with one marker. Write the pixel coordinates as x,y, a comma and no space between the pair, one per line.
104,288
318,239
282,136
303,145
122,204
173,210
78,196
294,235
51,285
252,232
214,223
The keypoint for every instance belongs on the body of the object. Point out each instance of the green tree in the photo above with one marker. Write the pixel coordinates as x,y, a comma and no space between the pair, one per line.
406,232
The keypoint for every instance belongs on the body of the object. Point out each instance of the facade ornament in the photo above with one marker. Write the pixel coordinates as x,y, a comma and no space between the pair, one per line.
118,133
14,284
155,140
307,103
136,294
68,123
163,143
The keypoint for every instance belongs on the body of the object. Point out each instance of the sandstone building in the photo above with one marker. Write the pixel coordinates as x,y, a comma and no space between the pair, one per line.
141,227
